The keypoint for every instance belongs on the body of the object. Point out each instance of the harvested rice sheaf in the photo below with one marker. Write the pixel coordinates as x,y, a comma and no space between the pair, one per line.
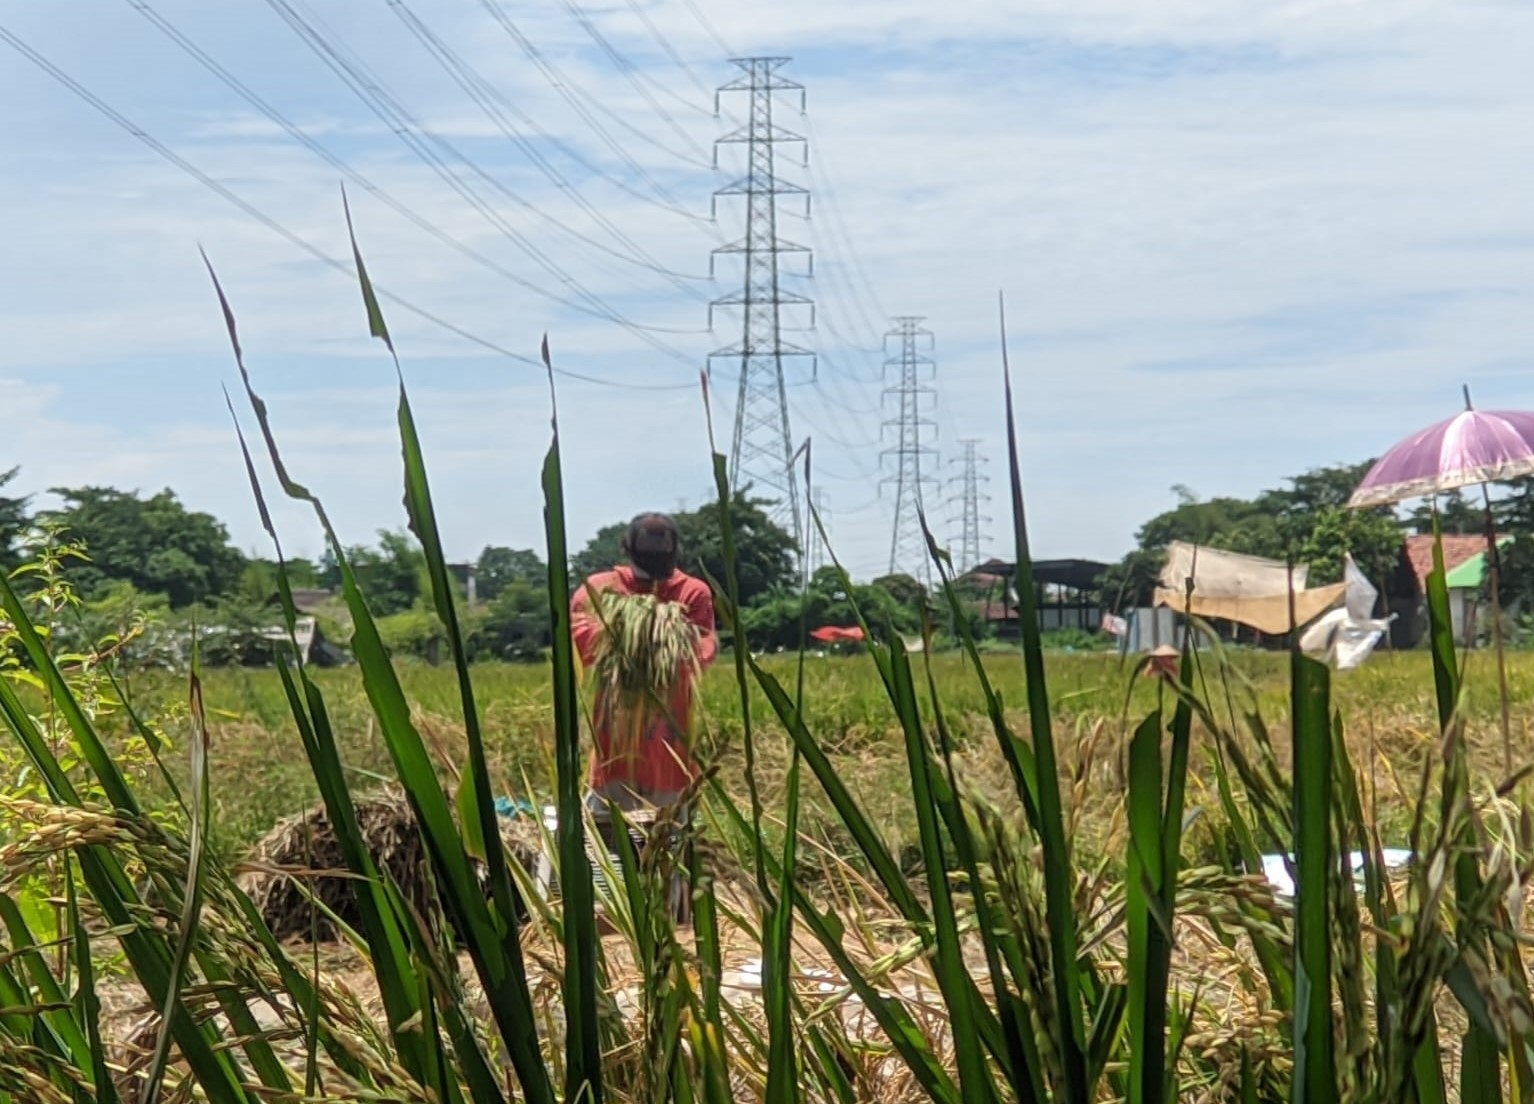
301,856
644,652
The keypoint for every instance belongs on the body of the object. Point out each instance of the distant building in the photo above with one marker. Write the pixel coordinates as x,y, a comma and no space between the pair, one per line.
1464,561
1065,595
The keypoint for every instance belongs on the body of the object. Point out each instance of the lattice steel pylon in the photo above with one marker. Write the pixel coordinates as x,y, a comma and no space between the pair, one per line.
761,451
908,547
816,557
968,499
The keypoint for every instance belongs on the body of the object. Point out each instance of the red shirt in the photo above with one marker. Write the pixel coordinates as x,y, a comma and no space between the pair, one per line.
663,764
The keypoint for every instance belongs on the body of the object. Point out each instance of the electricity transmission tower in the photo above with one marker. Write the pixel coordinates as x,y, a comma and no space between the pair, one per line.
817,557
907,545
761,452
968,499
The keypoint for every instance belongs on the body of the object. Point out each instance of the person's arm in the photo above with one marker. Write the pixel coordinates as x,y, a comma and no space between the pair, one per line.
585,626
700,611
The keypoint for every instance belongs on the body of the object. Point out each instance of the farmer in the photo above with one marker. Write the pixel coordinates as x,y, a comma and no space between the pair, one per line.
662,769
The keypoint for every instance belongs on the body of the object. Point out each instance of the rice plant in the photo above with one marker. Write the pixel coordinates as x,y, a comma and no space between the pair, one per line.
1005,963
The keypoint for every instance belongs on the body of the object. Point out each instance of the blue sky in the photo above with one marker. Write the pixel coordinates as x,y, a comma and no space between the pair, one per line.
1238,239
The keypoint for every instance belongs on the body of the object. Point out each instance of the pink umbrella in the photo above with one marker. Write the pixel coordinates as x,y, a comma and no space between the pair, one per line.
1474,446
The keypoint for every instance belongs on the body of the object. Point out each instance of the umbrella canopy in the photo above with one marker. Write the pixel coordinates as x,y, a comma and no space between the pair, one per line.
1474,446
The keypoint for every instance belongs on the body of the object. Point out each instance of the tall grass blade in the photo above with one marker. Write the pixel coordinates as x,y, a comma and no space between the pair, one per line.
1020,1061
777,959
952,973
1018,755
1315,1075
477,815
192,895
1058,878
1143,909
502,975
727,603
905,1036
384,929
583,1052
80,1043
109,884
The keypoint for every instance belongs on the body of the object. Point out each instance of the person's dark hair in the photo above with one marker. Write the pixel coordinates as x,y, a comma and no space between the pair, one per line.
653,545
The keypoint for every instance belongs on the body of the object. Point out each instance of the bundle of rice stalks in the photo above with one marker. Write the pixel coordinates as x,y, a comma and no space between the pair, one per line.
645,651
301,858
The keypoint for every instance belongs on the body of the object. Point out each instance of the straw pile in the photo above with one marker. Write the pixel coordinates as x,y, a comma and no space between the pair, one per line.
646,649
301,857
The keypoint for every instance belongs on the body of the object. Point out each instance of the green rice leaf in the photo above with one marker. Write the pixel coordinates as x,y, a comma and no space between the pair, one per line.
952,974
376,326
502,974
1147,995
191,909
583,1052
777,950
1058,878
1315,1069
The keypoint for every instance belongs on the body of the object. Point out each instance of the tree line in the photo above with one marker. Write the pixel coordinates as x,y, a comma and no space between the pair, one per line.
151,562
150,565
1307,520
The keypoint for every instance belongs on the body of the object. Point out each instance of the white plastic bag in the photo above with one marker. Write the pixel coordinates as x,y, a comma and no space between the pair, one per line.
1345,637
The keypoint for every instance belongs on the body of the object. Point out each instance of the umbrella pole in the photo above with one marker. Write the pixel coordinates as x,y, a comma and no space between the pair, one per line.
1494,565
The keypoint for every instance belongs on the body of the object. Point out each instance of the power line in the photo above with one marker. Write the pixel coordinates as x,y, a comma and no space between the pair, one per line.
631,74
665,44
573,94
404,125
821,173
907,542
709,29
79,90
198,54
496,105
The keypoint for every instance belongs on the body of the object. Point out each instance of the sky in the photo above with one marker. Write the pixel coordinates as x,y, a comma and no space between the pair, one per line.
1238,239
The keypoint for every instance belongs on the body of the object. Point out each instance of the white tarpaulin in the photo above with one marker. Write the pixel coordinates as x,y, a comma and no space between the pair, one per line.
1346,635
1220,574
1249,590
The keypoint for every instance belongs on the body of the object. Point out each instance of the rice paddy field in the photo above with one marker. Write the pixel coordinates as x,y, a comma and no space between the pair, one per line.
260,775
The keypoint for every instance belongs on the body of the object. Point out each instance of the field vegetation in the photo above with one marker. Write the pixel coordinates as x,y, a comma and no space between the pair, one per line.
960,877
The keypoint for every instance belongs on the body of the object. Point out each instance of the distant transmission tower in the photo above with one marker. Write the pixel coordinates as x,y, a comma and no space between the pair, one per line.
817,547
908,547
968,499
761,453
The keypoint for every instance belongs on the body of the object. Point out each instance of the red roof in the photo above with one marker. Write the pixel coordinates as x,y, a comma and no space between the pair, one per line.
827,633
1457,548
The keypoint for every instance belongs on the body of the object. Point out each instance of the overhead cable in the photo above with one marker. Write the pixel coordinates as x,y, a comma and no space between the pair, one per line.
404,125
26,51
297,133
574,96
495,105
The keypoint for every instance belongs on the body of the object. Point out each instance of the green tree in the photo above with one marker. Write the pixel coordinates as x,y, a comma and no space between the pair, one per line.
1307,520
155,543
497,568
516,626
13,523
765,551
603,552
393,575
775,621
1457,513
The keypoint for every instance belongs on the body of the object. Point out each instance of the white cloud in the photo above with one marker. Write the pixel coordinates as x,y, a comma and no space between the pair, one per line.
1238,239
